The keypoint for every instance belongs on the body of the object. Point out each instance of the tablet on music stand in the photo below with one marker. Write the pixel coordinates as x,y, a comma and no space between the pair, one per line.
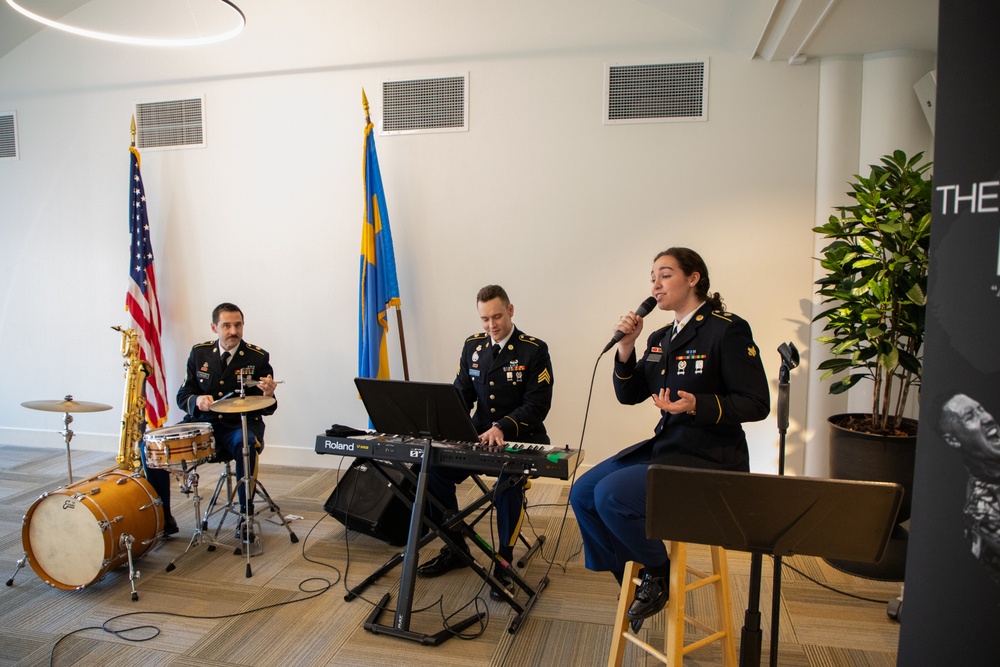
772,514
419,409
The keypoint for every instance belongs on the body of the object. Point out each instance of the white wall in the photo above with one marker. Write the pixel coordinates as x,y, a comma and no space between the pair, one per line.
538,195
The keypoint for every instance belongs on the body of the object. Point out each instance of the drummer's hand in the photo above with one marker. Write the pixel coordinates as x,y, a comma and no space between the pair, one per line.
267,385
204,403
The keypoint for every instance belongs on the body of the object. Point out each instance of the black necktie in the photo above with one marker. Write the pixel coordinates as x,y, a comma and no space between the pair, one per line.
225,360
496,350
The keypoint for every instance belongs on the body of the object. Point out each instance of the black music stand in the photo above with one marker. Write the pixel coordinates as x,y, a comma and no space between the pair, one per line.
418,409
425,411
771,514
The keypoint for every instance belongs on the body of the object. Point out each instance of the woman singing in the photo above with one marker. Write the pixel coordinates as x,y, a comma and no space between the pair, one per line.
705,374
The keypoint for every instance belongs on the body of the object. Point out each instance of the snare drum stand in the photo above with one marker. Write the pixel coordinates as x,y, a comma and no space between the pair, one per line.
189,484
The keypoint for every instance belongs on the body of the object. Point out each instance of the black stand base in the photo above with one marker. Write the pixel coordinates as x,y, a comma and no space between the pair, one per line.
372,626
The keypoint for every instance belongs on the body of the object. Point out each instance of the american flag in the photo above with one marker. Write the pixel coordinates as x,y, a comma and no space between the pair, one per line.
141,302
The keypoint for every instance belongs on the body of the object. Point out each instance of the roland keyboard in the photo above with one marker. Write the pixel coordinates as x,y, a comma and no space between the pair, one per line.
536,460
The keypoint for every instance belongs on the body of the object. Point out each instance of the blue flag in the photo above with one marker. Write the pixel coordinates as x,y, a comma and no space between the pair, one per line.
379,288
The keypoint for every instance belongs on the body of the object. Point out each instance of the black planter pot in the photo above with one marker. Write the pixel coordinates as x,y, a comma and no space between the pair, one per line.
876,458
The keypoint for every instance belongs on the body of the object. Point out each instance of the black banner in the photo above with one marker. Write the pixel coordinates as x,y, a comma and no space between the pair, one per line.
951,604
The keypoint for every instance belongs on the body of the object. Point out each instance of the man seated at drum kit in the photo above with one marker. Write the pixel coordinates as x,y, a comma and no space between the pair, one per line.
215,371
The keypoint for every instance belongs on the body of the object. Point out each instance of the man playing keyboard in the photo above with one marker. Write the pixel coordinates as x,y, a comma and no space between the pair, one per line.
507,376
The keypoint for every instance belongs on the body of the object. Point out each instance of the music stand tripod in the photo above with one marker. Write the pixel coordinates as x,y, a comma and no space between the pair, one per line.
248,521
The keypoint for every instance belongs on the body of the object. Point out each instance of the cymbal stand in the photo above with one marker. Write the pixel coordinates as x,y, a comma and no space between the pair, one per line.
250,527
67,434
247,534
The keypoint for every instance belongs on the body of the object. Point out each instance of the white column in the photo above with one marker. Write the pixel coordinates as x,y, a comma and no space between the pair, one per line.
891,116
839,126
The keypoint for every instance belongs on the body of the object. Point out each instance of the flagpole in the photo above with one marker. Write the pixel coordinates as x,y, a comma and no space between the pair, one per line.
399,312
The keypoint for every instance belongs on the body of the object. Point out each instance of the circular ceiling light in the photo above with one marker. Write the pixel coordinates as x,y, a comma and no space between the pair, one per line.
238,19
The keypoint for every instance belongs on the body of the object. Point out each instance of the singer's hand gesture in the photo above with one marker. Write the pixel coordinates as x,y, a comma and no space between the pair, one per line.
685,402
629,324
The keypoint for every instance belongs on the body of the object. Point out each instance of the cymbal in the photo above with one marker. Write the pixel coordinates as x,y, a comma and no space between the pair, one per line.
245,404
66,406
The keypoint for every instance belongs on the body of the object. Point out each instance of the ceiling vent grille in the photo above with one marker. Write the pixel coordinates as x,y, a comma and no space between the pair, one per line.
426,105
667,92
8,135
170,124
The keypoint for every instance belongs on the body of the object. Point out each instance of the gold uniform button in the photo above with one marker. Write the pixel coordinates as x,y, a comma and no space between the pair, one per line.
492,383
493,409
492,397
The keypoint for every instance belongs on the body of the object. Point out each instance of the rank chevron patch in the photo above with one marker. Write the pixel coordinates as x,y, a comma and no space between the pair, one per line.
544,376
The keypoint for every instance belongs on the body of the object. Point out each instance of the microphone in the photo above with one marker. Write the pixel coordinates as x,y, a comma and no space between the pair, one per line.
641,311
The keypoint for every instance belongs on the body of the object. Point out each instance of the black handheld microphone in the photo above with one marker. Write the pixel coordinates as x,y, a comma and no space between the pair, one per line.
641,311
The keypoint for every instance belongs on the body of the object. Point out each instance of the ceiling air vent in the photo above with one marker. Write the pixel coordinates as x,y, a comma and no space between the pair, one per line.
667,92
170,124
426,105
8,135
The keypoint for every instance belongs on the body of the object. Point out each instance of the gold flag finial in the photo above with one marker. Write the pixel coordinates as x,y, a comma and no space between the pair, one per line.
364,101
133,131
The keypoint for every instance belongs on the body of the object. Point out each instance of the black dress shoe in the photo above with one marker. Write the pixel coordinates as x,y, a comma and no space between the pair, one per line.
170,526
505,581
446,561
636,625
650,597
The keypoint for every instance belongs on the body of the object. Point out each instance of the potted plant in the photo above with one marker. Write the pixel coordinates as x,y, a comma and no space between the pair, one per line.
876,286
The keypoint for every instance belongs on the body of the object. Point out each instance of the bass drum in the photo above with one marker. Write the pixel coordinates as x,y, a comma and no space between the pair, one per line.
76,534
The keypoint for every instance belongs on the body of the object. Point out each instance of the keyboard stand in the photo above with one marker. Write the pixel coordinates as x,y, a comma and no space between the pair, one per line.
409,558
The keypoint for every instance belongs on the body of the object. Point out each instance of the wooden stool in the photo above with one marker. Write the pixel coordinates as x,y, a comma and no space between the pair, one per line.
674,647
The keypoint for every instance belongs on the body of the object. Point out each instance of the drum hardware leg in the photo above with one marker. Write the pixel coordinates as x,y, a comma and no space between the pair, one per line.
225,480
200,526
126,541
274,509
21,562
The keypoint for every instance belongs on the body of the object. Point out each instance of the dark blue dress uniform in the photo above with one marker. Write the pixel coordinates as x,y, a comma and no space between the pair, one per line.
713,357
205,375
512,390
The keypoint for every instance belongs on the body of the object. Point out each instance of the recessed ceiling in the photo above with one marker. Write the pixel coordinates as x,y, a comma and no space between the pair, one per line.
774,30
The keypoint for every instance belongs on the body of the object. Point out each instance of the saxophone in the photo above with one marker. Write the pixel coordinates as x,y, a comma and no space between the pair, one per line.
134,405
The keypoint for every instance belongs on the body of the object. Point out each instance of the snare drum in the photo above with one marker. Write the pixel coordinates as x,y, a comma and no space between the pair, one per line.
179,446
76,534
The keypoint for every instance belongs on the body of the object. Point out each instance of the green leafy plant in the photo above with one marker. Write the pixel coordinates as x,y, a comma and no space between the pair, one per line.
876,285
